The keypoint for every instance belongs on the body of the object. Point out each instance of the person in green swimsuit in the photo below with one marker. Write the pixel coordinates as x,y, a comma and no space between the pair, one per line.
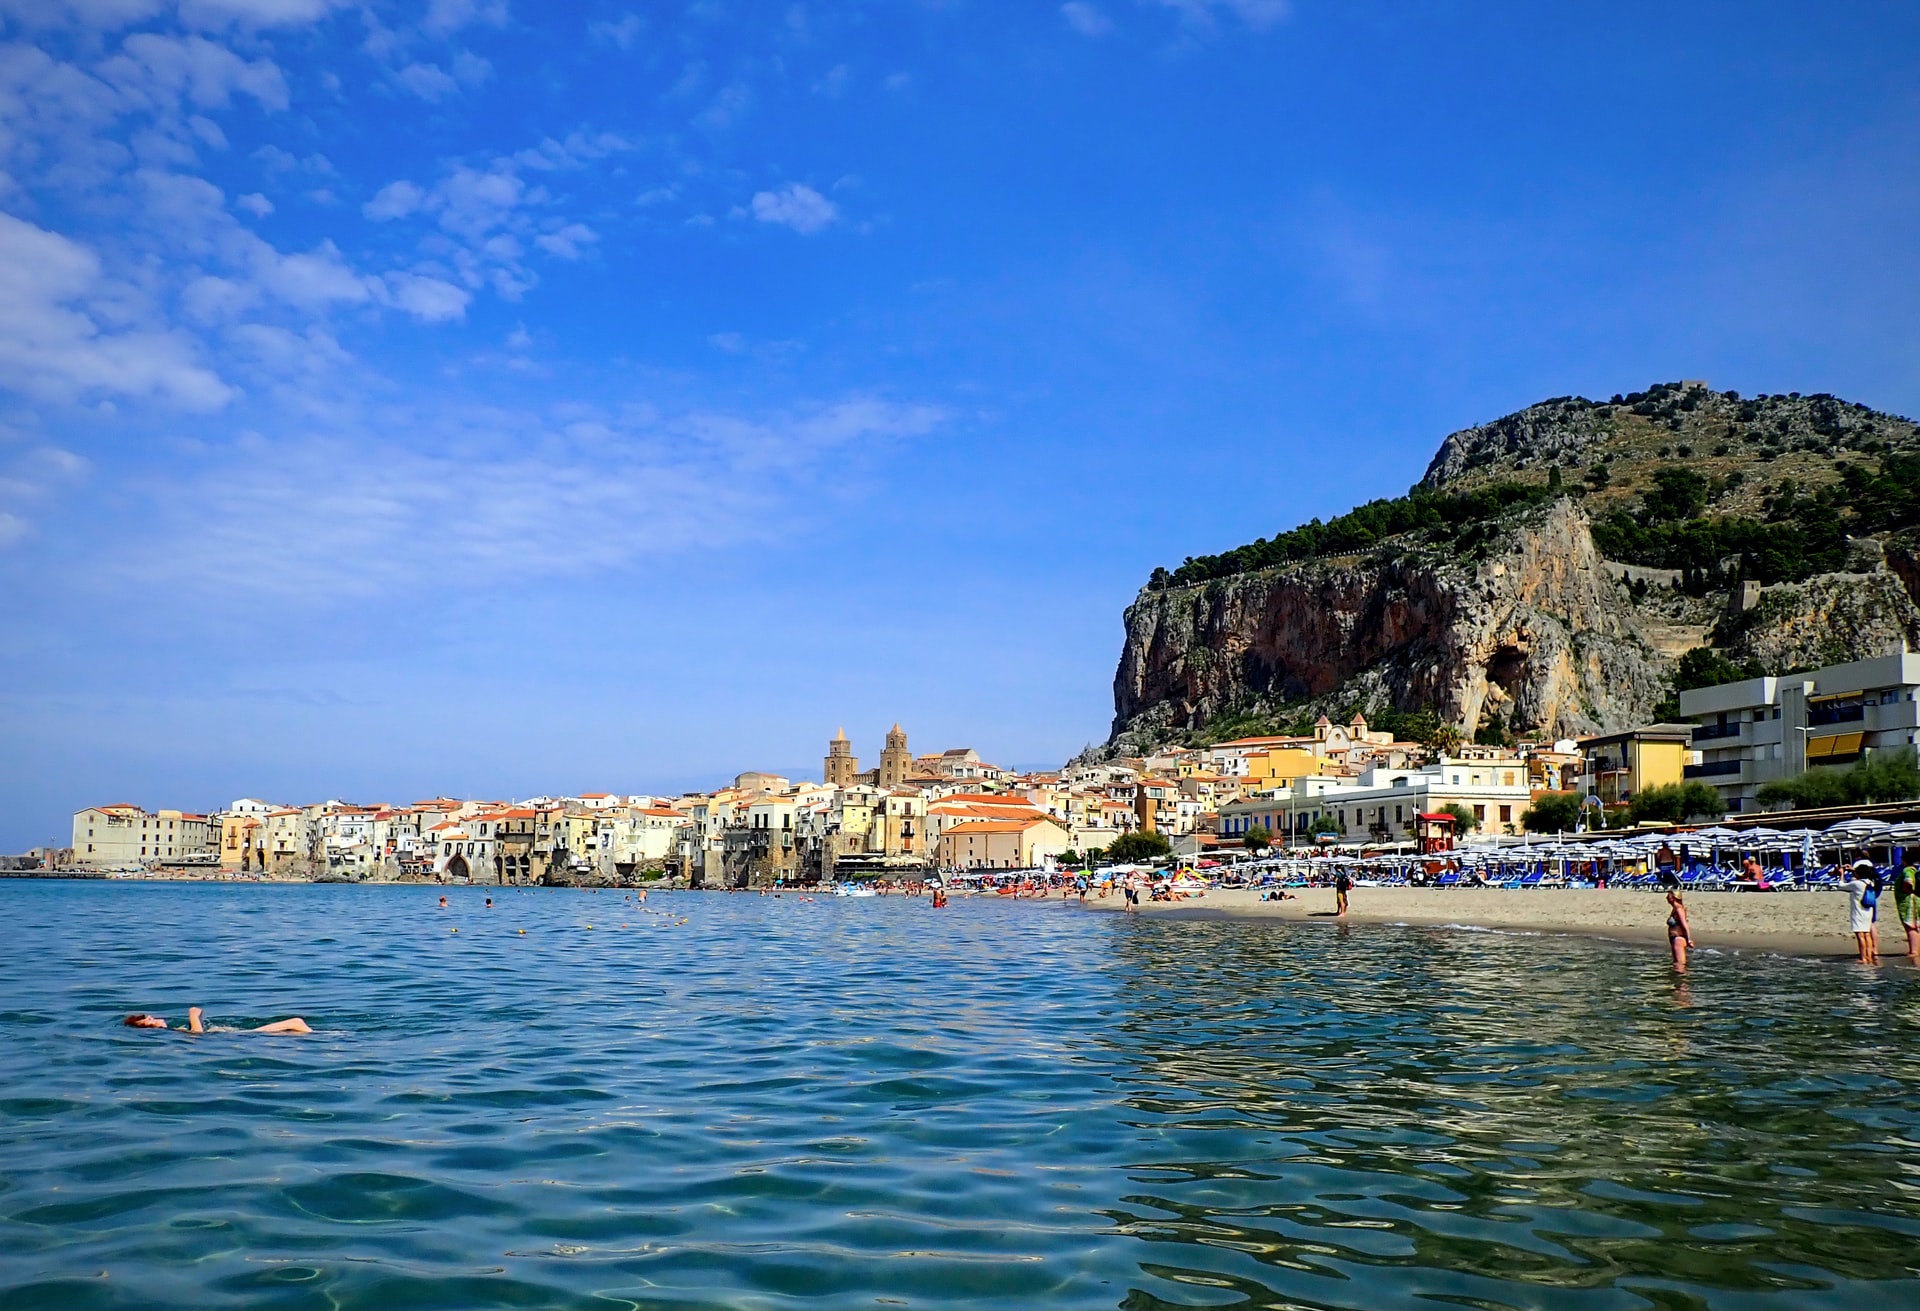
1906,900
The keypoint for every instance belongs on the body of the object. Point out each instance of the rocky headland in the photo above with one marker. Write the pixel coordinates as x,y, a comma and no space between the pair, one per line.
1548,572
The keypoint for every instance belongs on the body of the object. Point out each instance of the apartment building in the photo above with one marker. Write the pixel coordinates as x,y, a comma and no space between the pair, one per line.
1757,730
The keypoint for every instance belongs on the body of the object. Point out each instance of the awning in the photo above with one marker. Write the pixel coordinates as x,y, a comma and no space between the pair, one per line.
1836,745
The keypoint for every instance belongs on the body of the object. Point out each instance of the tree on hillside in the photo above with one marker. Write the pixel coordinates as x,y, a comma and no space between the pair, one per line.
1133,848
1552,812
1678,494
1257,838
1675,802
1465,821
1702,666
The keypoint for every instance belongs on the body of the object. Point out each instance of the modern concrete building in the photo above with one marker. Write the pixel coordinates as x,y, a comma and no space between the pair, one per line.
1760,729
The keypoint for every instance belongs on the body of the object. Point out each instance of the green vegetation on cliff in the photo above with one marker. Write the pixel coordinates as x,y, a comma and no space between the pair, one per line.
1445,515
1803,532
1678,476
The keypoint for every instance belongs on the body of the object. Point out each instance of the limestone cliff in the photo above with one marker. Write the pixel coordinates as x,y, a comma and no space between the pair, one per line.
1537,632
1519,618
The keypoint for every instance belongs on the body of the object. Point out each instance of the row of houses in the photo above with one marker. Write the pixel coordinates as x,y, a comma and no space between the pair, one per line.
953,810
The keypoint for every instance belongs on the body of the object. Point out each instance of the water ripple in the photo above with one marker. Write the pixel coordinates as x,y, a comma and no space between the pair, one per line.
744,1102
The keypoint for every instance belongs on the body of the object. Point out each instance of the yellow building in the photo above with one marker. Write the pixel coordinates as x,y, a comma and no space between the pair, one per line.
1280,765
1621,765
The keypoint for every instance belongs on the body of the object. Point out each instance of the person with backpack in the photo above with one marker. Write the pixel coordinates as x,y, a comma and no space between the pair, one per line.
1341,886
1863,898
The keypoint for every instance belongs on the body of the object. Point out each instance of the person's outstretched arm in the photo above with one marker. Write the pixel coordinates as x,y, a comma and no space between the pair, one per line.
193,1020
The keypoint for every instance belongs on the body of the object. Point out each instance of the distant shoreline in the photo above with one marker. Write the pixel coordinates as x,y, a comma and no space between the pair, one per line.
1809,924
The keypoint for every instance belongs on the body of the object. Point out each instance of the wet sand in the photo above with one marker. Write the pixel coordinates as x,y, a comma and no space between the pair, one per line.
1791,923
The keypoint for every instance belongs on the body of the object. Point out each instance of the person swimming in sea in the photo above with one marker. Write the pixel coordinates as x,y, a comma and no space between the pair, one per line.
141,1020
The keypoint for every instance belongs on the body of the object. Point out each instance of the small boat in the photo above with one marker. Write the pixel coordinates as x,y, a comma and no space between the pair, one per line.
852,890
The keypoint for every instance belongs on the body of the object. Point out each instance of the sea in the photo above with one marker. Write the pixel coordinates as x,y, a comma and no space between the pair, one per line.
574,1099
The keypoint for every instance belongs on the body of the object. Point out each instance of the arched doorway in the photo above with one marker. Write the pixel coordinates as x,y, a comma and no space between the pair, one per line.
457,868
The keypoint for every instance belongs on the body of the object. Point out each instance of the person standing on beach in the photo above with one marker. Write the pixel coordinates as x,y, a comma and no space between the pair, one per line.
1341,885
1679,932
1906,901
1863,897
1664,862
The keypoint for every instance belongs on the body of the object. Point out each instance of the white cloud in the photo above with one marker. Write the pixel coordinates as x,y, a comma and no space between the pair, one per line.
395,200
471,69
428,81
1085,19
254,13
622,32
796,206
431,300
569,242
350,515
732,343
445,16
29,477
101,15
833,83
160,73
313,280
1257,14
255,204
728,107
55,305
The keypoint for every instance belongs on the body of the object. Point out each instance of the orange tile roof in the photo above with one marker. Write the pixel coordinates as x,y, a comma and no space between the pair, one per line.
995,826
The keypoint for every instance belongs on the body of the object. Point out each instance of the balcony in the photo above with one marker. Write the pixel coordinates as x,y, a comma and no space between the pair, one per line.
1713,769
1709,732
1836,712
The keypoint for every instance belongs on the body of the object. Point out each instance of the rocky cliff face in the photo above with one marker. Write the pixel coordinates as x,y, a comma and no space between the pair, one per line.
1518,618
1537,632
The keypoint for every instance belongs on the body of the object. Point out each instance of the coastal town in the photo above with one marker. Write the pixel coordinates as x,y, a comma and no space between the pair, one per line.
952,810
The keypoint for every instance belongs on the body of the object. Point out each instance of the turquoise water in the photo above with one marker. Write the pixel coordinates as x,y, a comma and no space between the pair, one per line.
872,1103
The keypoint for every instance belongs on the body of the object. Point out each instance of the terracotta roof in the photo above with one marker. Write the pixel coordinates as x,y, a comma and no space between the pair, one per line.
995,826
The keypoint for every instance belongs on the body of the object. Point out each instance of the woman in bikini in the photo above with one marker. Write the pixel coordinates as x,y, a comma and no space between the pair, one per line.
1679,932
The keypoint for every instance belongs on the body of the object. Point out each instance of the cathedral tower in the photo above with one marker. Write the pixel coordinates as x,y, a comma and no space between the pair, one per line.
841,766
896,762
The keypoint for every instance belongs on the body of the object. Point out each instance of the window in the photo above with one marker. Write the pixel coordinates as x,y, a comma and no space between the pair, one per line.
1506,814
1480,813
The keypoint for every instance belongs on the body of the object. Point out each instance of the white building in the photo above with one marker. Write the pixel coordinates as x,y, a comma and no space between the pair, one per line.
1761,729
1381,805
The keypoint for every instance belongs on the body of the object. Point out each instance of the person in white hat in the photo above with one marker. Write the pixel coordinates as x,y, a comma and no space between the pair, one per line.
1863,896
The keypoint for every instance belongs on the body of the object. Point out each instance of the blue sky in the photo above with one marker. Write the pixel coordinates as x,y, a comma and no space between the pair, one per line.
490,398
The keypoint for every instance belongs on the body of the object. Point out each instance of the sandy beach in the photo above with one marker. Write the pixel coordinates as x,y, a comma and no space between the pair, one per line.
1793,923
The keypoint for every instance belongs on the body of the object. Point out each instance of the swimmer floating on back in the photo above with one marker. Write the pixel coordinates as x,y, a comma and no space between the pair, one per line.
144,1021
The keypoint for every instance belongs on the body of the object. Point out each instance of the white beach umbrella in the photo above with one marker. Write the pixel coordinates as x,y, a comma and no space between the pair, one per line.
1859,830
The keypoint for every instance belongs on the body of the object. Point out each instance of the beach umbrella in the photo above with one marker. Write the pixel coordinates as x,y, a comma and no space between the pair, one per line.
1859,830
